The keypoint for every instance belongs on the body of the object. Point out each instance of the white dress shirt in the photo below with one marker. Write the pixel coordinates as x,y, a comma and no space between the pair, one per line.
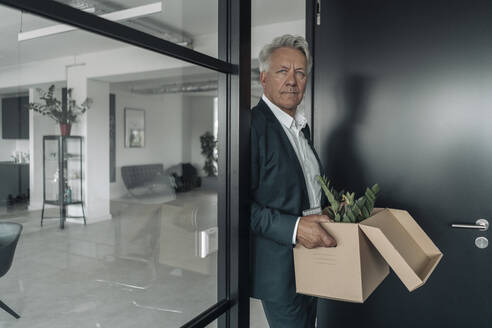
309,164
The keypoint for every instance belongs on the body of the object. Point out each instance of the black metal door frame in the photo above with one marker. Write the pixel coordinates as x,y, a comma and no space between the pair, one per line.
232,309
309,94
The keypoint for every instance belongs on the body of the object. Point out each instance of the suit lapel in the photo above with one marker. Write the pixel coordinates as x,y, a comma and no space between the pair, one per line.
275,124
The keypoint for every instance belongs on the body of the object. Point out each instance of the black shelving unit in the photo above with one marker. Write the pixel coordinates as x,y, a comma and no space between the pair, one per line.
62,175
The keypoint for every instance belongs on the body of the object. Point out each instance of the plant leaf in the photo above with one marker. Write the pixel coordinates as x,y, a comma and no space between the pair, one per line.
351,215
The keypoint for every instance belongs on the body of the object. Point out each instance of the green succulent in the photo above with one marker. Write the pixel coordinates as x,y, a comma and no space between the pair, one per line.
343,205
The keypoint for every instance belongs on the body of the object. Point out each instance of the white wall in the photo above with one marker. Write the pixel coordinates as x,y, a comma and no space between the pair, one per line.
34,73
186,124
260,35
200,119
263,34
97,189
114,62
22,145
163,133
7,148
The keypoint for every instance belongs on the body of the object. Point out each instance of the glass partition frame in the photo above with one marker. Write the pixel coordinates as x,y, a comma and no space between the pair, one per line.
232,308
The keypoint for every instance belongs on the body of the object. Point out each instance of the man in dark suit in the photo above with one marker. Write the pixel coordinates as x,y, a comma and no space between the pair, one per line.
284,166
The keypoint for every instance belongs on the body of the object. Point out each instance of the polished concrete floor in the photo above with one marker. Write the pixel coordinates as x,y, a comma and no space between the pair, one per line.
106,274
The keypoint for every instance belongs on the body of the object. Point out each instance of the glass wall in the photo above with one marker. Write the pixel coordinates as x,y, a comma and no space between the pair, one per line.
191,23
144,179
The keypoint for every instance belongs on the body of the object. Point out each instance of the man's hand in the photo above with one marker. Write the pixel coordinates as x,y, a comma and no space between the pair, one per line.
311,234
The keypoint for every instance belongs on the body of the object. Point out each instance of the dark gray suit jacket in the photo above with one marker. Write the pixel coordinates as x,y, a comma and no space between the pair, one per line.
278,197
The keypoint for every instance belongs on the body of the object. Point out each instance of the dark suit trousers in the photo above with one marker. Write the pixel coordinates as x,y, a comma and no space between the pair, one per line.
301,313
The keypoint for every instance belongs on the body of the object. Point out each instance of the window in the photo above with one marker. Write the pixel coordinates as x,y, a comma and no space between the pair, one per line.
156,245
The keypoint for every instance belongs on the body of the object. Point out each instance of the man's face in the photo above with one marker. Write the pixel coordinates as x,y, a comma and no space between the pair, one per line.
285,80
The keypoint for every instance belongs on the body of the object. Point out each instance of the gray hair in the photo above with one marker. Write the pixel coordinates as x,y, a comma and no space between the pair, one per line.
289,41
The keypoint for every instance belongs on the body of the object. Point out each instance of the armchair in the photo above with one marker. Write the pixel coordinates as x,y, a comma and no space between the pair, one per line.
9,236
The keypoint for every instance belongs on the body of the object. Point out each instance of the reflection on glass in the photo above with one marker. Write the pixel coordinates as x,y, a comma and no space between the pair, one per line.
63,178
73,170
51,170
192,24
148,254
215,323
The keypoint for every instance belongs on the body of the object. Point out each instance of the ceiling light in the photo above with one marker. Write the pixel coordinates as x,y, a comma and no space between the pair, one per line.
115,16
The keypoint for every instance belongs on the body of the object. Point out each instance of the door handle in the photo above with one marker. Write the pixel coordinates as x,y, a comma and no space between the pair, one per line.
480,224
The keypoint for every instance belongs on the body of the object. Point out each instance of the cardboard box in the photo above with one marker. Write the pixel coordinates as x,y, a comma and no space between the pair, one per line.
352,270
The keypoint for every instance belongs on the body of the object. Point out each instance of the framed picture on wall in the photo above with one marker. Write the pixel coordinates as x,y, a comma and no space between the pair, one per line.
134,128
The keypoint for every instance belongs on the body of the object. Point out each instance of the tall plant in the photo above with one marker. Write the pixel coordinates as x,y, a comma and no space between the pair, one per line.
209,144
55,109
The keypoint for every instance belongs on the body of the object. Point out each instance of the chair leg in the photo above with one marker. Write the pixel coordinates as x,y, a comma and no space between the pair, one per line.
9,310
42,215
83,213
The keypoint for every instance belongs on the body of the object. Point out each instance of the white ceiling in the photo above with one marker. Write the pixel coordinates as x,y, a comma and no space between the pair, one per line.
190,17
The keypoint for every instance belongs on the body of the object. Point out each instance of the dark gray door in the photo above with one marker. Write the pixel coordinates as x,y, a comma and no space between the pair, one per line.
24,179
403,98
15,118
9,185
10,118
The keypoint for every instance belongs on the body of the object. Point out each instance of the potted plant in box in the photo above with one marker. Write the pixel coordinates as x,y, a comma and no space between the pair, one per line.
354,266
343,206
64,114
365,250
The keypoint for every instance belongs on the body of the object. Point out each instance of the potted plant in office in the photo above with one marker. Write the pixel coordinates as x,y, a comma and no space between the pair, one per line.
64,114
209,145
209,151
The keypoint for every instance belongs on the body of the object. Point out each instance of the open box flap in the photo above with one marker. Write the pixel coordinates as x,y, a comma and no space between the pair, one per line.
403,245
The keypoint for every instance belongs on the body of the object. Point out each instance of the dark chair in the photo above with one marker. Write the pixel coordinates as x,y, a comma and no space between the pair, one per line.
188,180
9,236
143,181
135,176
